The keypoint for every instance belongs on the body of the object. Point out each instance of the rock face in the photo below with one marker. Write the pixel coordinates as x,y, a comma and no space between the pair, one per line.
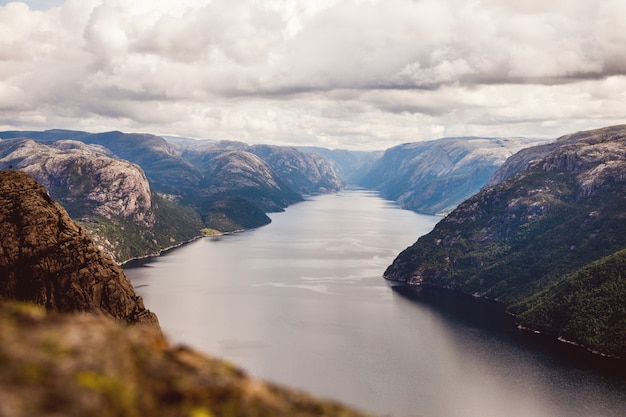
110,197
73,171
542,241
47,259
81,365
245,175
434,177
303,173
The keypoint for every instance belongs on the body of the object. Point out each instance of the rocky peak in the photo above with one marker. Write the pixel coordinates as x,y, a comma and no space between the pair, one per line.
88,178
46,258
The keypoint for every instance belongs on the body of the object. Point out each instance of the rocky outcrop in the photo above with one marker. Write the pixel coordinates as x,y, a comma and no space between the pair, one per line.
434,177
47,259
167,172
247,176
552,226
86,178
110,197
82,365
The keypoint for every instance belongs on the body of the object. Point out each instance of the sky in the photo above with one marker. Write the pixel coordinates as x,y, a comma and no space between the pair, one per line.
352,74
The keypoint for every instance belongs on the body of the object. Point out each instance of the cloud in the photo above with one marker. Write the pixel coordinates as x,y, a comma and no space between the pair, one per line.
358,73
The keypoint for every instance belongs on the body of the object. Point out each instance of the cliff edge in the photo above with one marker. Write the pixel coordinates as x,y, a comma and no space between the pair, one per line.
47,259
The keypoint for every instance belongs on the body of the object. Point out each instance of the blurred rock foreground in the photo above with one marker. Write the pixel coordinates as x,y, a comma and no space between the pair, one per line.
75,339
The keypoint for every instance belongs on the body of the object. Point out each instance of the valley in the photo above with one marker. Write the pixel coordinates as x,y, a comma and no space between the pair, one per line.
535,225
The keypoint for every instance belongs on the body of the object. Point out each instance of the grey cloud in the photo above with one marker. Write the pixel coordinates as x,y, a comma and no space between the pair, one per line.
377,71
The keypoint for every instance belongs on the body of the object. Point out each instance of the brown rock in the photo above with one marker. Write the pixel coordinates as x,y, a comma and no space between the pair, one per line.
47,259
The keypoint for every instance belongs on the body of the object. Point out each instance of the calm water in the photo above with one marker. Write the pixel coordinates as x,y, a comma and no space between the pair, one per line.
302,302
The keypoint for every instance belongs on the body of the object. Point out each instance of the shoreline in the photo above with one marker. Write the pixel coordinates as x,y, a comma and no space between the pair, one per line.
559,346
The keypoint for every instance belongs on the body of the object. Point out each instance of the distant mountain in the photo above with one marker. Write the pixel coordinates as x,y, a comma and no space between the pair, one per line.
166,171
110,197
230,185
302,172
434,177
238,188
350,166
548,241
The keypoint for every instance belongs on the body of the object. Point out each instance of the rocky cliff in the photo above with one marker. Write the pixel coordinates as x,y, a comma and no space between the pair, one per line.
304,173
74,172
434,177
109,196
542,241
94,364
47,259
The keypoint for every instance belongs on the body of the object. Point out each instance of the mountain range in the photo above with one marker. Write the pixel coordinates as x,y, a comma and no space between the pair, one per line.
547,239
178,187
138,194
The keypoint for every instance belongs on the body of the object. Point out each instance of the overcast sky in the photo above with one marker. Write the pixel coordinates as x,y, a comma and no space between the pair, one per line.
365,74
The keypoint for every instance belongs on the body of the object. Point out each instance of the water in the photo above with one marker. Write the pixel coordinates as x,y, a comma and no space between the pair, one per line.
302,302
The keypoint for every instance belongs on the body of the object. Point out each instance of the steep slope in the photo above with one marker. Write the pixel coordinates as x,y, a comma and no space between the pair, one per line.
247,176
109,196
434,177
45,258
303,173
519,161
538,236
194,175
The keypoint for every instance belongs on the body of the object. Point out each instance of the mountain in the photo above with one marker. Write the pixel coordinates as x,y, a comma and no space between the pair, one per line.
47,259
166,171
350,166
229,185
548,242
90,362
434,177
110,197
302,172
238,188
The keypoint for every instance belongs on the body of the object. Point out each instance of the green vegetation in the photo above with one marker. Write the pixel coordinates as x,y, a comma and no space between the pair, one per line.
174,224
229,213
540,242
586,306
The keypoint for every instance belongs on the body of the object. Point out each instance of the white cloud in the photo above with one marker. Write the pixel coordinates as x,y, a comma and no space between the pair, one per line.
367,73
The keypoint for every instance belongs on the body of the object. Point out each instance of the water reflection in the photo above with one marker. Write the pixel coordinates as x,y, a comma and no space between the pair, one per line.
302,302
